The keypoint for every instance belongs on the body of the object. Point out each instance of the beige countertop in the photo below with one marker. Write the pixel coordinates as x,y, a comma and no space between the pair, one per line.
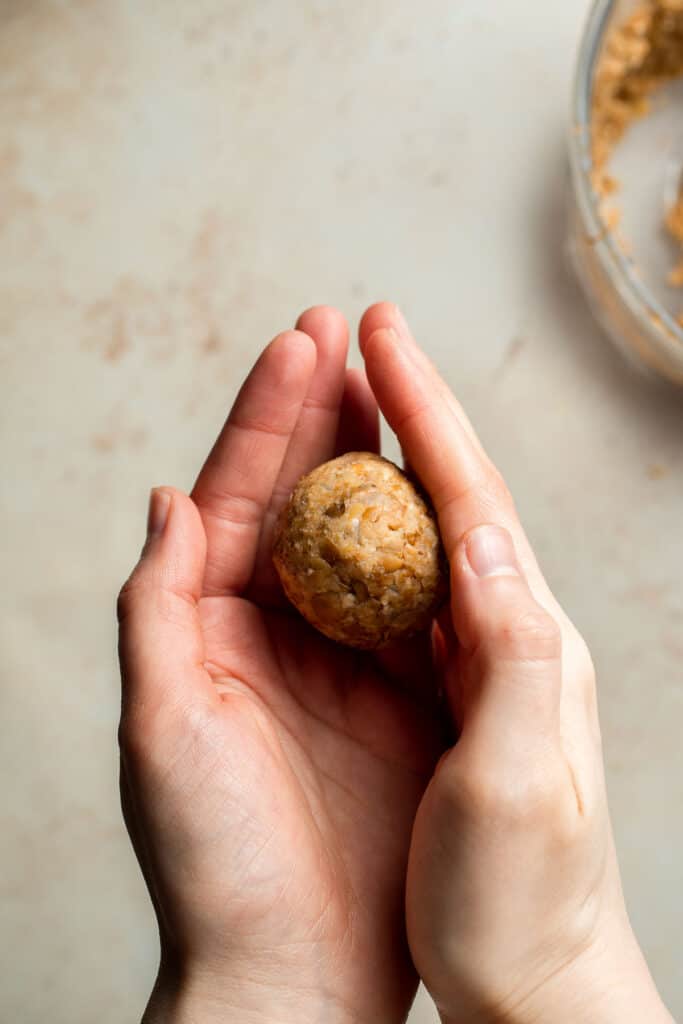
178,181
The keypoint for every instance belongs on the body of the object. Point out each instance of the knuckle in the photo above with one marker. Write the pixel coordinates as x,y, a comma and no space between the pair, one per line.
168,604
152,738
497,484
483,794
580,671
494,496
567,826
142,729
585,675
475,794
468,788
534,797
529,635
237,511
485,495
132,739
128,596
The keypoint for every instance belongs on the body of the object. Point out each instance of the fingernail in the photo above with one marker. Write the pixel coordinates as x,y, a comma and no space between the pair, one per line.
159,504
490,552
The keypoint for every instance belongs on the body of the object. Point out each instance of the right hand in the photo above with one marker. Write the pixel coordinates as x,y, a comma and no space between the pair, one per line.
514,903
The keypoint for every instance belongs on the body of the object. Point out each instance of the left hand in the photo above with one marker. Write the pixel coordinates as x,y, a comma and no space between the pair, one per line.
269,777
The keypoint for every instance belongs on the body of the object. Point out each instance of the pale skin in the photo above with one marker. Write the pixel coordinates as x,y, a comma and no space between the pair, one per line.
311,837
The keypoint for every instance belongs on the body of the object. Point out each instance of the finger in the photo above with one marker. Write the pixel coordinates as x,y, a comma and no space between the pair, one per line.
467,491
235,486
511,649
312,440
387,314
464,486
359,416
161,647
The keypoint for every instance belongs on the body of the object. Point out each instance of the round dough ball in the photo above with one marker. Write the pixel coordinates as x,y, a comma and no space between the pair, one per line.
359,554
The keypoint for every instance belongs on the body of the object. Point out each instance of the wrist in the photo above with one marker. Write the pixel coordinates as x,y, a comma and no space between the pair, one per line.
197,996
203,995
609,984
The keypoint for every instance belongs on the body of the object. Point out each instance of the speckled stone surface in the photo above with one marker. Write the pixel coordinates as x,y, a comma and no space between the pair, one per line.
177,181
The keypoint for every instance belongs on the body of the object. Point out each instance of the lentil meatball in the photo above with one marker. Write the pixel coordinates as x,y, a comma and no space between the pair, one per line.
358,552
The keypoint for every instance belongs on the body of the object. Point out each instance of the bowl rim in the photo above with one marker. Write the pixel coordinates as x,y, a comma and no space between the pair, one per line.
621,270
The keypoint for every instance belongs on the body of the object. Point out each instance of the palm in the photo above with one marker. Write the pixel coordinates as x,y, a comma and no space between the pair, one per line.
348,755
314,757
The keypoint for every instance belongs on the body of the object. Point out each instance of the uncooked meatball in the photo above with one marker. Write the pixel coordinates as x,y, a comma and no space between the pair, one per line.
358,552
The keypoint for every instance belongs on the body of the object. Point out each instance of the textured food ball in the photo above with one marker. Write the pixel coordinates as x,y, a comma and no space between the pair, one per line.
358,552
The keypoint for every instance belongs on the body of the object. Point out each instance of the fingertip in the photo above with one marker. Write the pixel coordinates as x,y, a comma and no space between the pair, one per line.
173,499
292,355
326,325
176,538
320,310
382,340
380,314
329,331
161,645
293,340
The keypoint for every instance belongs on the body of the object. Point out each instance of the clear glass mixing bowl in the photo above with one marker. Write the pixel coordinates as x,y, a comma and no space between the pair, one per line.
637,314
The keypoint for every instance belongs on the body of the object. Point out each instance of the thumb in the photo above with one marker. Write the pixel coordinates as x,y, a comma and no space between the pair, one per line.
506,691
161,647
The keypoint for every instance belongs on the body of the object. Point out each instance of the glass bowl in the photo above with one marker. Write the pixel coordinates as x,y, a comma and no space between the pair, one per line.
638,316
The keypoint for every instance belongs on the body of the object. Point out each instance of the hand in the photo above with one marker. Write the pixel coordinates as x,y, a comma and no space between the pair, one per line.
269,777
514,904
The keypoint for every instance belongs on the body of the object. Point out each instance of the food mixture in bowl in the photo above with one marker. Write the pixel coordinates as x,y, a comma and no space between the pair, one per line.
358,551
637,77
